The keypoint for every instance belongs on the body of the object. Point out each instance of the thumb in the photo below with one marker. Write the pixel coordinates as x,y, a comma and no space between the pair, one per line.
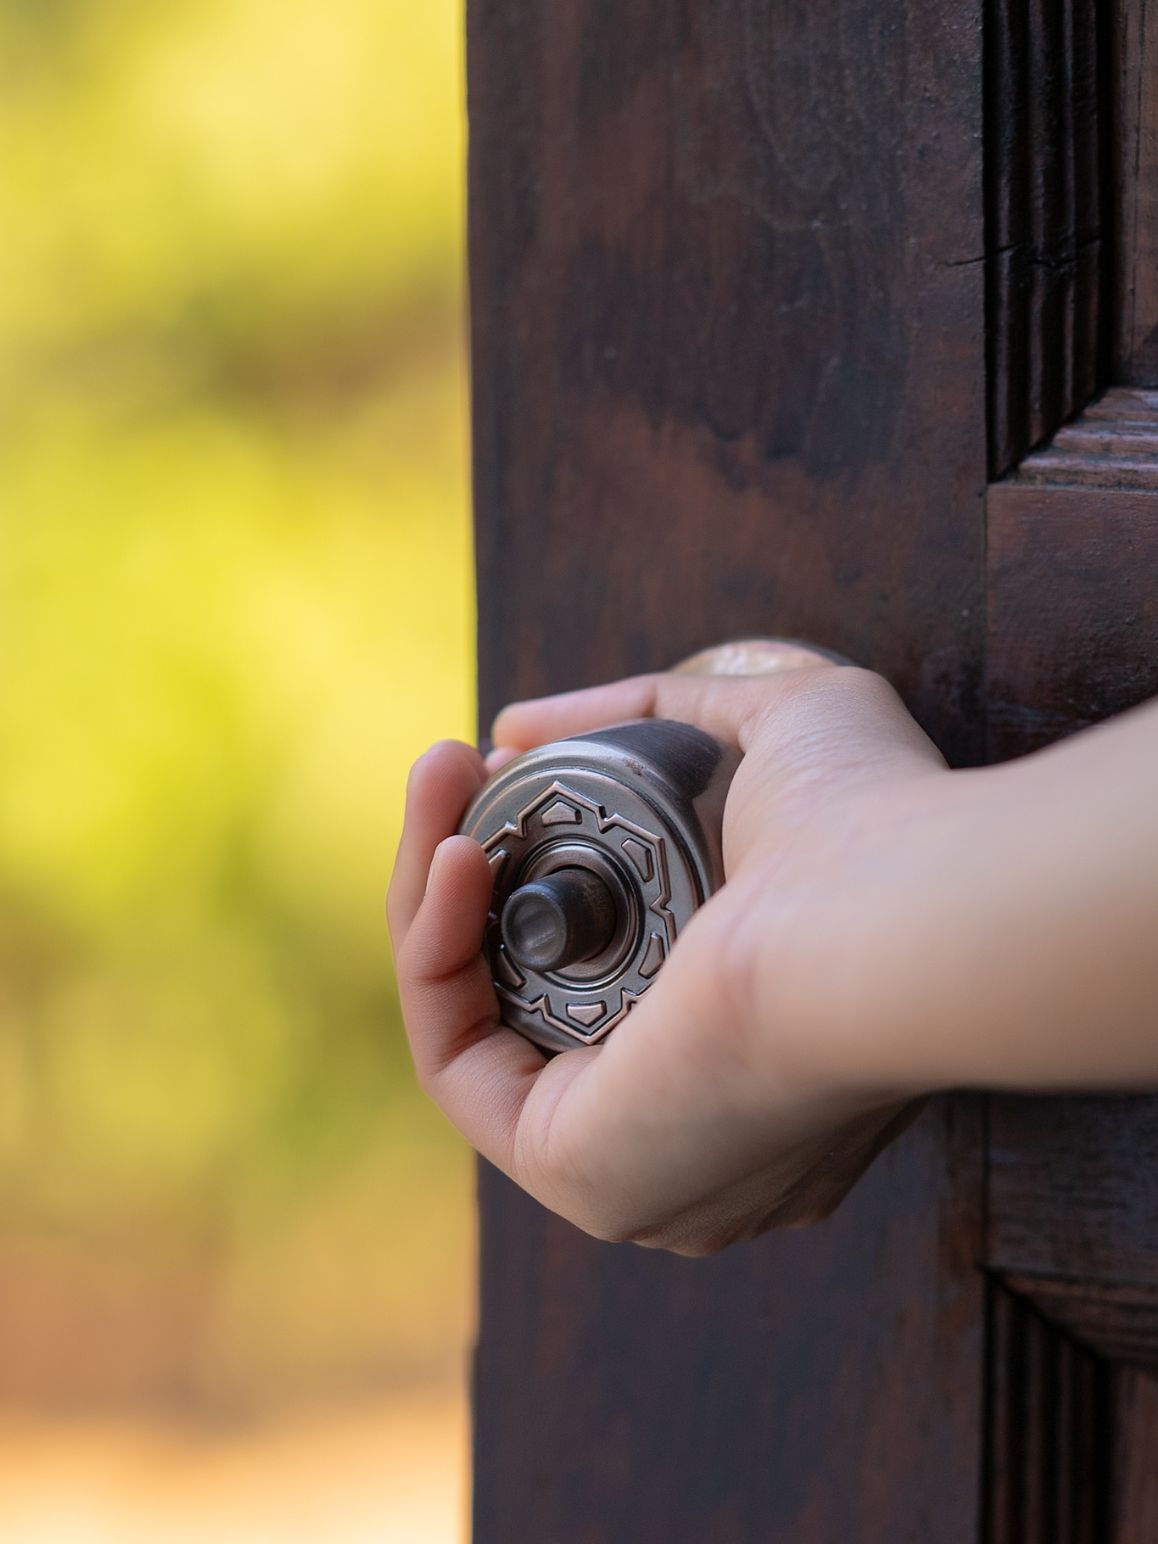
829,734
721,690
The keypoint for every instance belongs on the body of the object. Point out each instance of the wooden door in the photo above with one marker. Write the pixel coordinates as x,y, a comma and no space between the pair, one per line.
781,314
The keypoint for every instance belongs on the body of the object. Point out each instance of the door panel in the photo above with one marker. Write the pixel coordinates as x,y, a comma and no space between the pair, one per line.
1073,604
732,375
709,402
816,1385
728,350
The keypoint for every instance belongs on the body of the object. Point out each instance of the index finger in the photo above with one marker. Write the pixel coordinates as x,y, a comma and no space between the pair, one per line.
725,706
441,785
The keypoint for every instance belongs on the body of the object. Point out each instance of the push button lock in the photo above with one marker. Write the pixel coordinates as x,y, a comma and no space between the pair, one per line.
561,920
602,847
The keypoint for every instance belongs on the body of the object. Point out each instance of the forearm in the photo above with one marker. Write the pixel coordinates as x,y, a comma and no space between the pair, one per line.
1015,943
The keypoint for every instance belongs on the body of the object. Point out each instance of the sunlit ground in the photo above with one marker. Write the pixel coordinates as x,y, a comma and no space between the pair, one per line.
385,1473
235,602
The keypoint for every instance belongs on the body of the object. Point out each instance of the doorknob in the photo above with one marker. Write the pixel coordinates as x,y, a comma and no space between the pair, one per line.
602,847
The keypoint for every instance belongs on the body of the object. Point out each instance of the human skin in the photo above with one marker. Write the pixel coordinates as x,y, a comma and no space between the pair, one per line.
888,929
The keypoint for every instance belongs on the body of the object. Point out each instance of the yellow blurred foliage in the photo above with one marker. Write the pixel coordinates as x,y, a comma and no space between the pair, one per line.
235,601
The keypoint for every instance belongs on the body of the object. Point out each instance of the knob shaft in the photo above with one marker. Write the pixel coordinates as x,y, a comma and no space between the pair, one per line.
560,920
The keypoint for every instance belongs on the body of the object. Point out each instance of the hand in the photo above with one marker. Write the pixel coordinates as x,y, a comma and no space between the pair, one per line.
717,1109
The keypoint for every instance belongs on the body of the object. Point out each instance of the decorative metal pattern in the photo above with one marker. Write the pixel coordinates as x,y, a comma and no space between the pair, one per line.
647,826
556,999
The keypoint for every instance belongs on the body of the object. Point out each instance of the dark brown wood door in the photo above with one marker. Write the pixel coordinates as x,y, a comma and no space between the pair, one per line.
782,315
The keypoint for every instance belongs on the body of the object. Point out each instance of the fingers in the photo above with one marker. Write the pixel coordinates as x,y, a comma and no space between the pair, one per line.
669,1109
437,906
843,724
496,760
479,1073
442,784
726,707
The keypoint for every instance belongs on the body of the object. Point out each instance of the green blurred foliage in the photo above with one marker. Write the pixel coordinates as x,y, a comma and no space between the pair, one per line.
234,604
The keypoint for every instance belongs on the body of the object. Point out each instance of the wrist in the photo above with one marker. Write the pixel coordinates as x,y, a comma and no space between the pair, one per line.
1011,940
843,947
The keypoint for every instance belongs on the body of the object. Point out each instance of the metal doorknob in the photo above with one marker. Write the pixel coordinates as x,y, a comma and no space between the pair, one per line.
602,847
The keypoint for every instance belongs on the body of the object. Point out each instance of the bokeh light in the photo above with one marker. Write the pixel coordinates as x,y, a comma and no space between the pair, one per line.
235,601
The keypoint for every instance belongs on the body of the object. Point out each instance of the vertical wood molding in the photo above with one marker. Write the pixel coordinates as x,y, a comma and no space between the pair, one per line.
1047,120
1072,1422
1134,52
1135,1471
1050,1432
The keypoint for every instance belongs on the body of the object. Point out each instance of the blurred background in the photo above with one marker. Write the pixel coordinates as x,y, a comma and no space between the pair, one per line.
235,601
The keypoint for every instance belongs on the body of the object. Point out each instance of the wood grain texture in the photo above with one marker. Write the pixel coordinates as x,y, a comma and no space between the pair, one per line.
1073,1188
727,339
1072,1453
625,1394
1073,611
1050,1433
1072,621
1116,1320
1113,446
1135,1472
1135,154
728,375
1048,112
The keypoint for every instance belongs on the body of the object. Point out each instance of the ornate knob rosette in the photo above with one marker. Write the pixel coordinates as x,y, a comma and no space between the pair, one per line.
602,848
